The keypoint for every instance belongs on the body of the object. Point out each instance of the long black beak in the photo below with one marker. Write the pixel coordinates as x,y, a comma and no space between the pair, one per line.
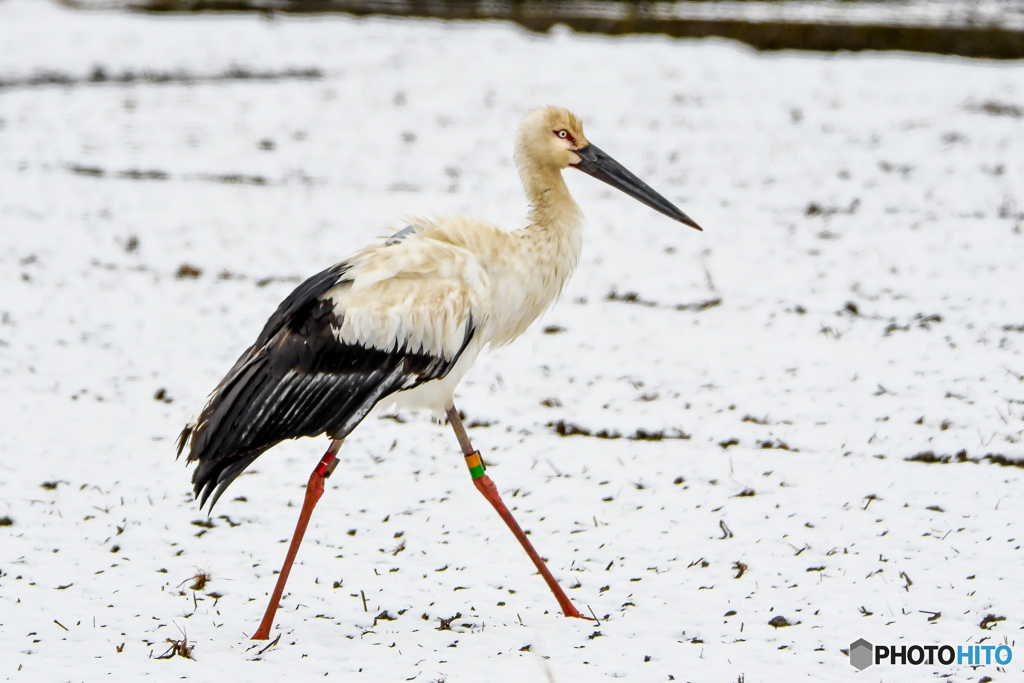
596,163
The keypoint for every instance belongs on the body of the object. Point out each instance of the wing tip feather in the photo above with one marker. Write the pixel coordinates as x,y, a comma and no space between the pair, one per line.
183,438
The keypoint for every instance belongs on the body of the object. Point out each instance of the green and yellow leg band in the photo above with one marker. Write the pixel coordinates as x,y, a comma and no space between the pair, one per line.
475,465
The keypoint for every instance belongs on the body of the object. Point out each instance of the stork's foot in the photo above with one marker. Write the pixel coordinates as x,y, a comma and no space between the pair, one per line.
485,486
584,616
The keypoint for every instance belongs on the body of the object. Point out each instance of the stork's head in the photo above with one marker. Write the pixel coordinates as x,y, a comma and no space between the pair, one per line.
552,138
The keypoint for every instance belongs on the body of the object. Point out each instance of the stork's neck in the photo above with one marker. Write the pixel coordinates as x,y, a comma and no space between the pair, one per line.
535,263
554,236
551,205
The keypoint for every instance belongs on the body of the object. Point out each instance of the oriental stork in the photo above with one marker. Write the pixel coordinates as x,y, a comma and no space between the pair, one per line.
399,323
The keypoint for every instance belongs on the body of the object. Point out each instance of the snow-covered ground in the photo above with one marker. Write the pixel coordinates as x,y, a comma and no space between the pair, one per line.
863,237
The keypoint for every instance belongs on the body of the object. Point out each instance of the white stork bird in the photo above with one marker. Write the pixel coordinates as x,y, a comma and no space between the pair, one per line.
398,325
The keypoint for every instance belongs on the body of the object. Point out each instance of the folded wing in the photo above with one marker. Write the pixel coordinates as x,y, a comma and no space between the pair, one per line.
382,322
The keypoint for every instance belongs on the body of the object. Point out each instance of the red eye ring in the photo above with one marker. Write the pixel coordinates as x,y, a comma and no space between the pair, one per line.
565,135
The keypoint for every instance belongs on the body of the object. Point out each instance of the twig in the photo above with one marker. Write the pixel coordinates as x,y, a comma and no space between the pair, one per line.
178,647
735,481
707,273
272,644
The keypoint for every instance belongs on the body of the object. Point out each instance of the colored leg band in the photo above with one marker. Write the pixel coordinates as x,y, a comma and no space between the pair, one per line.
327,465
475,465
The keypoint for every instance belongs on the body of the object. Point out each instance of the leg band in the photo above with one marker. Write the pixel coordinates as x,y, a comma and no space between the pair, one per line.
475,465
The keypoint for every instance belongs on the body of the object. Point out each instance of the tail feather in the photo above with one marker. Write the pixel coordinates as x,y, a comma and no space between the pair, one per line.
220,477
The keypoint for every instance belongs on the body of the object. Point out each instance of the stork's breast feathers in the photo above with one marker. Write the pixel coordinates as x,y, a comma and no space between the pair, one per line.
421,294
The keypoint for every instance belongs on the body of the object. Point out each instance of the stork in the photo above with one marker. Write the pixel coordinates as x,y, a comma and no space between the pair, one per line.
399,323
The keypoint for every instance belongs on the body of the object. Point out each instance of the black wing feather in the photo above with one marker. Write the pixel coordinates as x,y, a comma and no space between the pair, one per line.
297,380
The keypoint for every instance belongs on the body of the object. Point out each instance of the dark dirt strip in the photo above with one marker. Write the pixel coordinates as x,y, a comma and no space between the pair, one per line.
979,41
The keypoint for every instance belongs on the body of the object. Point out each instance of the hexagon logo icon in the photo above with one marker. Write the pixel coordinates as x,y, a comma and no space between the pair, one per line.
861,654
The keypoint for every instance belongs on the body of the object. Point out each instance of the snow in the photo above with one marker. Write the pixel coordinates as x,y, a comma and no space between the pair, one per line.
863,224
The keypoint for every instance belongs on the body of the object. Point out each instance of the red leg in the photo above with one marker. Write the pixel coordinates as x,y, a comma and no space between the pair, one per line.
314,489
485,486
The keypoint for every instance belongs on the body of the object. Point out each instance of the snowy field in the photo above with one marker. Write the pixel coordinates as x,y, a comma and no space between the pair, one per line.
856,299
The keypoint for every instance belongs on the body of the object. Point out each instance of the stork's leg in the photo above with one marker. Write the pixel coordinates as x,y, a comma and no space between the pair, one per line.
314,489
485,486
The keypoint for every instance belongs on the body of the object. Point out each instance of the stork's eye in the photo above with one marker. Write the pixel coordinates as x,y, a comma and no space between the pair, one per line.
565,135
